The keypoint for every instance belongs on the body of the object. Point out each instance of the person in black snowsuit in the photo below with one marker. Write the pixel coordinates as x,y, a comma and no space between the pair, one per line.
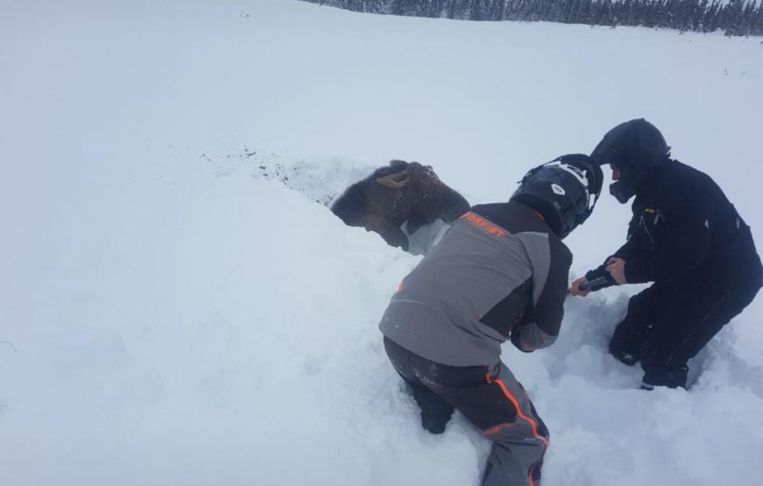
500,273
685,237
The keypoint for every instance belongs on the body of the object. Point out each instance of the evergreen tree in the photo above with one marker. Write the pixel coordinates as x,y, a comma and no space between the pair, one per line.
737,17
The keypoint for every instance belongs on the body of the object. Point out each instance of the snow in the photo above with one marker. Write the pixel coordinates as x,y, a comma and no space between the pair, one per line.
178,306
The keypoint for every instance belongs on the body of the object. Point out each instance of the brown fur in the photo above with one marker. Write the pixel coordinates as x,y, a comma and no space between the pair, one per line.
397,193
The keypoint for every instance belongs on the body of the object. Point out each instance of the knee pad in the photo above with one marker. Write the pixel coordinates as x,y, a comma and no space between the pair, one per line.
627,341
624,356
435,422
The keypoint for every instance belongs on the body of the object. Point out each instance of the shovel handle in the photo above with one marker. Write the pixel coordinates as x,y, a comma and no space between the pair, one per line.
589,284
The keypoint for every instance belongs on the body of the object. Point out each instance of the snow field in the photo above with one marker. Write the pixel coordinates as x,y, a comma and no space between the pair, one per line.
171,312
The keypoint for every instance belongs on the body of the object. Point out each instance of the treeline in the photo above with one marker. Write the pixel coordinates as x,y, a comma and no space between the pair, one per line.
733,17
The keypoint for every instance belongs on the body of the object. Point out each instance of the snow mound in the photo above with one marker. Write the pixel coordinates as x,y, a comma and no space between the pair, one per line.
320,179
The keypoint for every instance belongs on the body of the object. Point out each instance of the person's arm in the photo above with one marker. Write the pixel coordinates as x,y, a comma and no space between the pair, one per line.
540,325
628,251
684,242
599,276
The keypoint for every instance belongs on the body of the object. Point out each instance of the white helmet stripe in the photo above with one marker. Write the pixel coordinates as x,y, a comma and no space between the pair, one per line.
580,175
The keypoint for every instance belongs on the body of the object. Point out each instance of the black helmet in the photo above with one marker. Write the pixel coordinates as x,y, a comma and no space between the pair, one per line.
564,191
632,147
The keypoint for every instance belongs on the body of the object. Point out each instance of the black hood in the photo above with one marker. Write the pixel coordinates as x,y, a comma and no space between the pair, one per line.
632,147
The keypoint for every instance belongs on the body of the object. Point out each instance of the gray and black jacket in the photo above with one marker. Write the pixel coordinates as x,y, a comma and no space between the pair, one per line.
499,273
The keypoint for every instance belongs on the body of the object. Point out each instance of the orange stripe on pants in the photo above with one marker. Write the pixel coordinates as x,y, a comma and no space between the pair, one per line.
515,402
533,424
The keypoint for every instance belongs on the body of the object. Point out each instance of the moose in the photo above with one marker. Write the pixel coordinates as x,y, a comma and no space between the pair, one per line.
397,200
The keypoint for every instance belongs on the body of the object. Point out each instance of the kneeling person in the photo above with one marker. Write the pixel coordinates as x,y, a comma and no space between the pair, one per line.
687,238
499,273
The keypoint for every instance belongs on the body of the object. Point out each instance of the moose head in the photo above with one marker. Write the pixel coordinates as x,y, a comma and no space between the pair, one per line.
395,194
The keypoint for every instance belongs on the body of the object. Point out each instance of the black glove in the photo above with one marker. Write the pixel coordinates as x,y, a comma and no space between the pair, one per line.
523,319
605,278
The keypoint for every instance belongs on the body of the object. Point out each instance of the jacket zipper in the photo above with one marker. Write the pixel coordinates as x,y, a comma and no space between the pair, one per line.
643,224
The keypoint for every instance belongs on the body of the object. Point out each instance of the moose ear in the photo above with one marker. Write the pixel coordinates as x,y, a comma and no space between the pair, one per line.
394,181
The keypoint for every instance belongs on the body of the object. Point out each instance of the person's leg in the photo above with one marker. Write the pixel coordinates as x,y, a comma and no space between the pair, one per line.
518,450
435,411
694,317
497,404
731,304
644,309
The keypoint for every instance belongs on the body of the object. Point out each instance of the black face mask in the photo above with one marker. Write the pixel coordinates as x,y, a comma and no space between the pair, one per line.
631,183
621,190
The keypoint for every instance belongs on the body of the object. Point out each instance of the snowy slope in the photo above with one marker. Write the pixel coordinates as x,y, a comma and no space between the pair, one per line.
172,313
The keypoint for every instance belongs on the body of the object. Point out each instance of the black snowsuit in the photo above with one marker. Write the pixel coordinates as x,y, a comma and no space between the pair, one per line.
687,238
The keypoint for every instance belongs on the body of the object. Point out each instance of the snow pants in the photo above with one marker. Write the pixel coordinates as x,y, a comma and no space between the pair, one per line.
667,324
492,399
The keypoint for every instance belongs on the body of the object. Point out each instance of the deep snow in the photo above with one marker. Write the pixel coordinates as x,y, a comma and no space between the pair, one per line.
178,306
